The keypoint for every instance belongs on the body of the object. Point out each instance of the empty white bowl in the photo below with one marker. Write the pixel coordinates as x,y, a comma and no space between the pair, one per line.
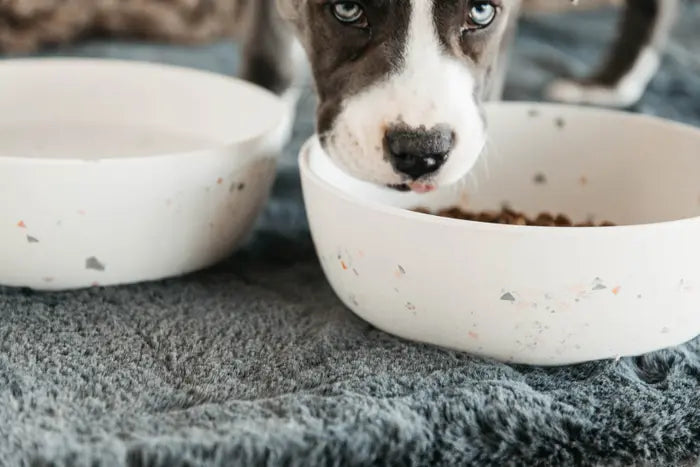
115,172
535,295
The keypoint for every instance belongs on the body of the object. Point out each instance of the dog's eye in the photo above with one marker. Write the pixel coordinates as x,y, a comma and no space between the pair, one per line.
481,13
350,13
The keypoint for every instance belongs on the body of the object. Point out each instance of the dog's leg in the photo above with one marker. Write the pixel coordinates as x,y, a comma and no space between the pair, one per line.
271,55
633,61
266,50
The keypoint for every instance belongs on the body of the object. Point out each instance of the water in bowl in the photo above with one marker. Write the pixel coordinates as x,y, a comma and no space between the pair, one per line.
49,140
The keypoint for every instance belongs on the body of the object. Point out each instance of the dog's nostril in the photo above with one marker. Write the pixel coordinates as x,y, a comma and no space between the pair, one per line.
417,152
407,160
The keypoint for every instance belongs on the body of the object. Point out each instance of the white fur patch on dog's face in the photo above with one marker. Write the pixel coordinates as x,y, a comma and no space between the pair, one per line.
429,88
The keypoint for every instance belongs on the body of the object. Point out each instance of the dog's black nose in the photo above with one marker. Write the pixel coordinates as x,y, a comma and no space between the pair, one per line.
417,152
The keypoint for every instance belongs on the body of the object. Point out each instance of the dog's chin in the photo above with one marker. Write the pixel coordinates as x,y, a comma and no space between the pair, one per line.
385,178
377,171
389,179
452,174
416,187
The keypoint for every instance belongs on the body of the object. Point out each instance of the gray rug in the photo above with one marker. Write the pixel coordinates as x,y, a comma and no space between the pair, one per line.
255,362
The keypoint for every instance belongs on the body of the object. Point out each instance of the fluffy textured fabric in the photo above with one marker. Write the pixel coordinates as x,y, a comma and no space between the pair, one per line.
255,362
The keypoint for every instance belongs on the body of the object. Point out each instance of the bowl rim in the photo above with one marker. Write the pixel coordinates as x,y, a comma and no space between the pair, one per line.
276,120
313,144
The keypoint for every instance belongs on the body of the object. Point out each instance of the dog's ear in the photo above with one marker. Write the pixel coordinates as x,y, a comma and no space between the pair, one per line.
290,9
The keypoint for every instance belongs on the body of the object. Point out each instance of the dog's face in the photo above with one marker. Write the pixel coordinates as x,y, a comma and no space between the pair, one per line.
400,82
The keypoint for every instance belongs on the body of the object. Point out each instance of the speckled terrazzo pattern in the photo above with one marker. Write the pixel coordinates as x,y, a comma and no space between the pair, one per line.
256,362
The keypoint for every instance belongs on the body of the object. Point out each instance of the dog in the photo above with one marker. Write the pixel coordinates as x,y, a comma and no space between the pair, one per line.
401,83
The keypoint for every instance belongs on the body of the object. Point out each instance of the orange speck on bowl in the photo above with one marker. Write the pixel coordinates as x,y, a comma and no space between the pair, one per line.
21,225
464,199
616,290
345,266
219,181
473,335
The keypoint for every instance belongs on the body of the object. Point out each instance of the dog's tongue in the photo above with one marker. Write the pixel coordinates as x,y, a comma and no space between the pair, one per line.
421,187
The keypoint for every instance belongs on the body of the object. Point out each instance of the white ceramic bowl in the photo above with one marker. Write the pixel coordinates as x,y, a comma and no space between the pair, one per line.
536,295
115,172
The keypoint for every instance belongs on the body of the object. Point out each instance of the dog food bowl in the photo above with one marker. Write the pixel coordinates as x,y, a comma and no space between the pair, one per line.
533,295
117,172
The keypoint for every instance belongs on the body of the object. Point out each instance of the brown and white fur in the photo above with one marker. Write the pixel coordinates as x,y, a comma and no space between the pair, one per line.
400,91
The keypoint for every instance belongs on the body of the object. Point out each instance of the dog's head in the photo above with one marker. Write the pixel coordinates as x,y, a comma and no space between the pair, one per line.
400,83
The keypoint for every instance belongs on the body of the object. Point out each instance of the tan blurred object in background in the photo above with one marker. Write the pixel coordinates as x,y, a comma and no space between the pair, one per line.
26,25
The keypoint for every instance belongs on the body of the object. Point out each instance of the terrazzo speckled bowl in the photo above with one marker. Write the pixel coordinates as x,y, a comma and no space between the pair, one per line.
533,295
117,172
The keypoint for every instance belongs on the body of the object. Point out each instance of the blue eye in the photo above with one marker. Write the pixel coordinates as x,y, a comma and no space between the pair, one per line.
482,13
348,12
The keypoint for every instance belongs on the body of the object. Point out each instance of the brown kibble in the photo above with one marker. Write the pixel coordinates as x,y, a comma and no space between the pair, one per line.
511,217
455,213
488,216
562,221
545,220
